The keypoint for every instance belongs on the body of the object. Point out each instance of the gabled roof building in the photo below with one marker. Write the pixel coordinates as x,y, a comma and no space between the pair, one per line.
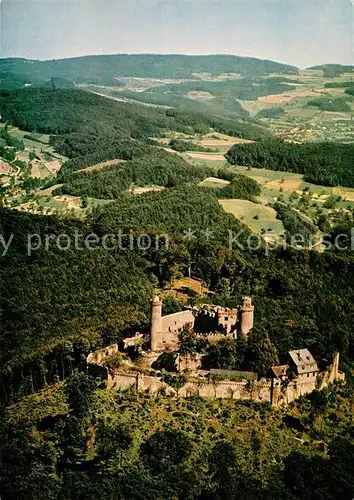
302,362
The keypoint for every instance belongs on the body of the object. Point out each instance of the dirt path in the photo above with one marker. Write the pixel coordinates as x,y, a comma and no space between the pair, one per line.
207,156
48,191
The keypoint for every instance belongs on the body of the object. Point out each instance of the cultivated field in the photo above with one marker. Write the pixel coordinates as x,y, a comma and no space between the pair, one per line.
287,96
207,156
217,140
5,168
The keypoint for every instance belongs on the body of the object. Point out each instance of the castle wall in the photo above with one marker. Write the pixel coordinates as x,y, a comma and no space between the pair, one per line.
227,318
271,391
171,325
99,356
139,382
153,385
176,322
274,391
243,390
333,373
214,336
190,362
156,323
122,381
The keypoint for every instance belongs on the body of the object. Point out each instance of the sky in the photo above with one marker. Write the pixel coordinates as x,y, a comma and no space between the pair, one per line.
302,33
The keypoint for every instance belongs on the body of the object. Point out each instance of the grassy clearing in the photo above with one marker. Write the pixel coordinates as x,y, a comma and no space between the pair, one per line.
95,202
258,217
300,112
271,179
219,143
197,162
182,289
207,156
145,189
215,139
103,164
347,194
40,148
214,182
71,202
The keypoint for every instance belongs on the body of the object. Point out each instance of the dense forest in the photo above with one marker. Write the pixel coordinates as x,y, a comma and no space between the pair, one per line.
10,80
271,112
333,70
239,186
83,123
155,168
171,210
326,163
336,85
295,224
333,104
76,441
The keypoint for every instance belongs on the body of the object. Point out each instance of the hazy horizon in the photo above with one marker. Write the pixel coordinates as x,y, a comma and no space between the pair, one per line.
293,32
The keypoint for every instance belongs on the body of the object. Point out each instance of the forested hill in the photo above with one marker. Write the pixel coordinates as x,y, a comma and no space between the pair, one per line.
105,68
331,70
86,123
326,163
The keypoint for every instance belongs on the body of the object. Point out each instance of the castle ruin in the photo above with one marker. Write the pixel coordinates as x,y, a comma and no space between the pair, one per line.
286,383
281,389
208,320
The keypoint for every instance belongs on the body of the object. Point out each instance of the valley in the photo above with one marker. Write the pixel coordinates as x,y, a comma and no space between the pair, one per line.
25,188
150,207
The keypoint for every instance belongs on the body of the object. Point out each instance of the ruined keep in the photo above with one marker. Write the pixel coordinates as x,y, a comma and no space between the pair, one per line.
164,329
247,312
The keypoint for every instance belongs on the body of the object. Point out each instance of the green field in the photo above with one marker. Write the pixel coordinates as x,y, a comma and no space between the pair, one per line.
288,187
214,182
258,217
33,145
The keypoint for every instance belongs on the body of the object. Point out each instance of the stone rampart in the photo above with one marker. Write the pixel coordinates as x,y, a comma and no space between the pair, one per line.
274,391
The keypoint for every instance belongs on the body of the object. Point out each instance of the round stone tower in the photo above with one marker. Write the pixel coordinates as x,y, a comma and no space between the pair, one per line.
247,311
156,323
